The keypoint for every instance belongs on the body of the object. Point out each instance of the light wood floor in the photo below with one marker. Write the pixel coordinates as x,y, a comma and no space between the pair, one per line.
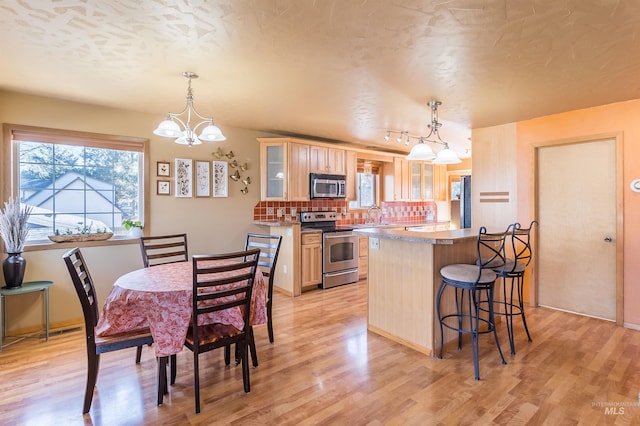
325,368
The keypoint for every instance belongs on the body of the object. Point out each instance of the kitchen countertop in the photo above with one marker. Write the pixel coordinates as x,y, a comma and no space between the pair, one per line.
276,222
453,236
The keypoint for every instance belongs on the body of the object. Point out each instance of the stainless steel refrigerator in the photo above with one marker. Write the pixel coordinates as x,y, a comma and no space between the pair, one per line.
465,202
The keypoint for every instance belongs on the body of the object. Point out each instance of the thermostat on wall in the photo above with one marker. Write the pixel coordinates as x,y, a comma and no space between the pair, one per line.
635,185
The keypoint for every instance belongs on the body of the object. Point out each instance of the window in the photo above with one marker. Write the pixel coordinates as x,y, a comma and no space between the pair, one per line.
75,182
368,184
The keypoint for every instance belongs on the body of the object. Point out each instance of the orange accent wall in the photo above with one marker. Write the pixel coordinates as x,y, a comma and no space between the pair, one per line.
621,117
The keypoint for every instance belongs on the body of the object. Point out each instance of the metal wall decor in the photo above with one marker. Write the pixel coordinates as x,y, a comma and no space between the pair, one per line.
236,176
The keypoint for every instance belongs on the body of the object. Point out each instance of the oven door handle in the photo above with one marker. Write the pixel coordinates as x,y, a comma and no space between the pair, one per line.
336,235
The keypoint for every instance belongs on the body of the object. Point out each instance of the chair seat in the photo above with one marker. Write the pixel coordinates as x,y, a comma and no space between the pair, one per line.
212,333
123,340
467,274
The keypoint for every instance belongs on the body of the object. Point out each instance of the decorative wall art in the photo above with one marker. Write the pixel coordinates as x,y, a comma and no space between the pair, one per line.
220,181
203,179
184,178
164,187
163,169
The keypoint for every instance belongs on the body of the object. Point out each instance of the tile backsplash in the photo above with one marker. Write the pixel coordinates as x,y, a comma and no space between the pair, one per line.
392,211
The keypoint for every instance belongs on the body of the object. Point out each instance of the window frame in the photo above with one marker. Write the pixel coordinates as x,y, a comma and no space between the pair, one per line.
10,170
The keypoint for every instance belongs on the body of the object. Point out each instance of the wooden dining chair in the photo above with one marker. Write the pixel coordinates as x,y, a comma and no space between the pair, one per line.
269,246
161,249
96,345
221,282
158,250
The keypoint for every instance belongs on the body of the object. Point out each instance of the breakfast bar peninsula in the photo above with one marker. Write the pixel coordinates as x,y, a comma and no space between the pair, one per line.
404,277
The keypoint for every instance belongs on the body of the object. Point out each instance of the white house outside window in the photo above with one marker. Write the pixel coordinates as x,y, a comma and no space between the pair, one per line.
76,182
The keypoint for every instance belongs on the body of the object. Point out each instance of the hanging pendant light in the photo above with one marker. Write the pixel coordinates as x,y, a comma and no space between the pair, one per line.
422,151
186,135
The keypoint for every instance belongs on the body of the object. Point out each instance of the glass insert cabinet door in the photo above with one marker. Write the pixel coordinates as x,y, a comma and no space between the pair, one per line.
276,171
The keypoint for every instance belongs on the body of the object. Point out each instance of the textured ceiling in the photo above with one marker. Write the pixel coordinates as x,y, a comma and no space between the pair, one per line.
341,70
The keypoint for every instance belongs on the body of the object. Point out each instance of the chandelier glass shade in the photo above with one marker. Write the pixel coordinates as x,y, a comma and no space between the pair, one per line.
422,151
182,130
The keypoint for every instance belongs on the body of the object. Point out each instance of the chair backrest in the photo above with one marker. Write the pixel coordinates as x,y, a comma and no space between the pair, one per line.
491,249
161,249
85,289
269,246
221,282
520,247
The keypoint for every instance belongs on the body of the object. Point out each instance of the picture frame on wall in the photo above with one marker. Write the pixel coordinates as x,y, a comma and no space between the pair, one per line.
220,179
163,187
163,169
184,178
203,179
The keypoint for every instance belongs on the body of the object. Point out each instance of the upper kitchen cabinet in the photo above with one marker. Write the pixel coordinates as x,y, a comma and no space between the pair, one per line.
284,170
298,172
351,171
440,182
418,181
274,171
326,160
401,179
428,181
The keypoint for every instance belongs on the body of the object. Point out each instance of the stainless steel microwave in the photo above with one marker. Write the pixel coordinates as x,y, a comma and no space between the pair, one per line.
327,186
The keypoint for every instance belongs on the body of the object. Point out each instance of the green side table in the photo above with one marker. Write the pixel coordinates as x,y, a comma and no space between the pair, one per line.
27,287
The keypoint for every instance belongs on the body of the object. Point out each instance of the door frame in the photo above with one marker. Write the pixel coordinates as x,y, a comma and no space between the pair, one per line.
535,148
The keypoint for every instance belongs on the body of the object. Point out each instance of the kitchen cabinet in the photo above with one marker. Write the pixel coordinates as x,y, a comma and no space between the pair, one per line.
401,179
284,171
351,169
274,170
326,160
440,182
298,172
428,181
363,259
311,254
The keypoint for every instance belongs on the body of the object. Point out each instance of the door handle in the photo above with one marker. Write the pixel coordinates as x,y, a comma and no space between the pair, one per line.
608,239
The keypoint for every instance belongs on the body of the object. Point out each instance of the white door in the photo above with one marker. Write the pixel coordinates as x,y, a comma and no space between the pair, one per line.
577,215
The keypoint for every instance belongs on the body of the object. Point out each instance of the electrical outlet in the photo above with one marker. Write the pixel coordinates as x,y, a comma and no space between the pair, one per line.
284,268
280,212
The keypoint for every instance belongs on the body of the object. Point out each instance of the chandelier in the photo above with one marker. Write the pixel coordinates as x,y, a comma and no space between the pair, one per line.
422,151
183,132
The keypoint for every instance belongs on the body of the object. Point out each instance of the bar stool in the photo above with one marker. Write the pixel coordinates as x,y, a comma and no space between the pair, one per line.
470,282
519,255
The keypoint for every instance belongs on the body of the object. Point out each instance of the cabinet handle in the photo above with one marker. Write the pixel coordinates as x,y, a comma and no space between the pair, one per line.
608,239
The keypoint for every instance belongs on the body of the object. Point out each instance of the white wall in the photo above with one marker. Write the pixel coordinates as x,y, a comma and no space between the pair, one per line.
212,224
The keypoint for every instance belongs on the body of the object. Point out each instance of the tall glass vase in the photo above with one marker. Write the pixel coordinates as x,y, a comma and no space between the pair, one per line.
13,268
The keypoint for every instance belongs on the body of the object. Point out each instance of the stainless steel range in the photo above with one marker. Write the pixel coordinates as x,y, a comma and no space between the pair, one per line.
339,248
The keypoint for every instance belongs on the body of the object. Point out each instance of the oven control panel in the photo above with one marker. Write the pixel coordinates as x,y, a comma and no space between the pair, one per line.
318,217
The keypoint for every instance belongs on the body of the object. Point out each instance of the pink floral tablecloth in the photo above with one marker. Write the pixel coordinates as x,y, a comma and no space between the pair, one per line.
159,297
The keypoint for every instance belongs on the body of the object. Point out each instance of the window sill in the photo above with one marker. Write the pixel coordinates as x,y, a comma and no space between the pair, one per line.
50,245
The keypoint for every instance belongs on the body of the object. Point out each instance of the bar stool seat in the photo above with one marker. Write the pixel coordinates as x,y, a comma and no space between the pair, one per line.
470,282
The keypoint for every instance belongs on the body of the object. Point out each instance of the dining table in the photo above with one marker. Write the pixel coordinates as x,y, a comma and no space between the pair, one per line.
161,298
